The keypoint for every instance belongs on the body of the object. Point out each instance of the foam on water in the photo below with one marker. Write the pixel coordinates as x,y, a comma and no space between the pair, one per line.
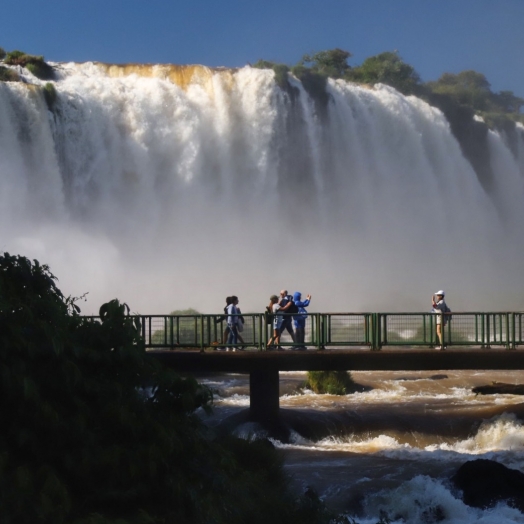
501,439
424,499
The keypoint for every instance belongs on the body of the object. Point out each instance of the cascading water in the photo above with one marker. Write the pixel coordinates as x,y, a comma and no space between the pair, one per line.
171,187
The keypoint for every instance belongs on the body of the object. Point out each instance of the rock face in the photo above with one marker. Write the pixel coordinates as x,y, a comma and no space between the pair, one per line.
500,387
486,482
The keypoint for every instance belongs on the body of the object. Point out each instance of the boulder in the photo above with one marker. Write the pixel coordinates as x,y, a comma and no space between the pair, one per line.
486,482
501,388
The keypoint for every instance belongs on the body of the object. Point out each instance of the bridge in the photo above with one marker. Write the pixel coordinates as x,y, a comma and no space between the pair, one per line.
336,341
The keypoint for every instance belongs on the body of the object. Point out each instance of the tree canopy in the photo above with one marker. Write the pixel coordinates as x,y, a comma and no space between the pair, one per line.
331,63
387,68
468,89
96,431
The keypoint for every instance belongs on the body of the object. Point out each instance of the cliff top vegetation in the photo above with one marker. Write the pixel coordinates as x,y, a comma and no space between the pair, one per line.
468,89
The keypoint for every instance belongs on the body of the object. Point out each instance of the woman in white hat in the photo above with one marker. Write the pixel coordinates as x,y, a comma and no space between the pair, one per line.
439,307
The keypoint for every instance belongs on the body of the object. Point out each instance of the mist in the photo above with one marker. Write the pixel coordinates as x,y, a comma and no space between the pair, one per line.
173,187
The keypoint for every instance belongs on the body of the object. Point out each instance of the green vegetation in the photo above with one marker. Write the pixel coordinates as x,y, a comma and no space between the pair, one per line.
459,96
464,94
330,382
8,75
95,430
50,95
314,83
34,64
2,53
332,63
387,68
184,330
281,72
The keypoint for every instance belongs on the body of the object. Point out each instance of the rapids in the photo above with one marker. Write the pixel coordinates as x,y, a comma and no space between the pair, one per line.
394,447
174,186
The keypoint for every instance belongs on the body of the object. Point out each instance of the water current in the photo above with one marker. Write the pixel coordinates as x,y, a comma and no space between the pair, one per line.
393,448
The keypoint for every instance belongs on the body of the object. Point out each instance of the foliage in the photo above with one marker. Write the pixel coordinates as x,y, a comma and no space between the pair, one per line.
185,330
330,382
507,101
331,63
280,70
50,95
314,83
2,53
472,89
8,75
95,430
387,68
34,64
468,88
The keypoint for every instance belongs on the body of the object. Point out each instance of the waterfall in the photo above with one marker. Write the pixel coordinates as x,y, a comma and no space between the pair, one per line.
174,186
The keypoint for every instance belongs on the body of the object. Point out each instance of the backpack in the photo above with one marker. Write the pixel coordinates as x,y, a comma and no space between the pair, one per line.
293,309
448,317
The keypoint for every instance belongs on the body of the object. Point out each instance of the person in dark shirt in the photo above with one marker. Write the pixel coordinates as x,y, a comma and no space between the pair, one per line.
287,325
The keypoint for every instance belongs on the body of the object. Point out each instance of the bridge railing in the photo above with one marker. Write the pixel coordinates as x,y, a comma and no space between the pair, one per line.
459,329
332,330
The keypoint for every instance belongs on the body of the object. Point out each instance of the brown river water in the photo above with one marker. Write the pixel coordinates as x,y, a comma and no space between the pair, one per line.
393,447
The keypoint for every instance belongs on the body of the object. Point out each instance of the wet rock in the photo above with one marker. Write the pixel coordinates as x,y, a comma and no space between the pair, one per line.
432,377
438,377
484,483
500,388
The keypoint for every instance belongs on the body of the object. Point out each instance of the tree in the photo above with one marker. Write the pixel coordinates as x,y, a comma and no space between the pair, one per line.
387,68
331,63
467,87
508,102
96,431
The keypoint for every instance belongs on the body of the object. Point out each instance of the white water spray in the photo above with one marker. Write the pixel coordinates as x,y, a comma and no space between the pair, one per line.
174,187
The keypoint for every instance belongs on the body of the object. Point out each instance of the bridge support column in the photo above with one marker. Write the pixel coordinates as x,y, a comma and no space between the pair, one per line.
264,392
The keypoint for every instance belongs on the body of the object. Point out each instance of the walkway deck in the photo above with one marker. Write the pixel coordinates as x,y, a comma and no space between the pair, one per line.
393,359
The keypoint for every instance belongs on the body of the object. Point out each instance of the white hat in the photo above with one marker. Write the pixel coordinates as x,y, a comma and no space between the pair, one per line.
440,292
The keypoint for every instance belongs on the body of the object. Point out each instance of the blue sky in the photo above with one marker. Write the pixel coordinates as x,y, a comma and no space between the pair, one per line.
434,36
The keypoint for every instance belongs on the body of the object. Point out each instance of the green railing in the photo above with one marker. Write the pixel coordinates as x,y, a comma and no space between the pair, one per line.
338,330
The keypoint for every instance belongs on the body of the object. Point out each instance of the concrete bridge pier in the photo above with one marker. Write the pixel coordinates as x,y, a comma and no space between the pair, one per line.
264,403
264,393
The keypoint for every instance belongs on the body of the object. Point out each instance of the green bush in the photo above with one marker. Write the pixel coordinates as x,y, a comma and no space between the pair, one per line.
95,430
331,63
387,68
330,382
50,95
280,70
314,83
2,53
34,64
8,75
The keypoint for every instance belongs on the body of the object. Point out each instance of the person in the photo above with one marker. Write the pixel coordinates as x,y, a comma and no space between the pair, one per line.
220,319
276,310
300,318
240,324
232,322
440,307
275,307
287,304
